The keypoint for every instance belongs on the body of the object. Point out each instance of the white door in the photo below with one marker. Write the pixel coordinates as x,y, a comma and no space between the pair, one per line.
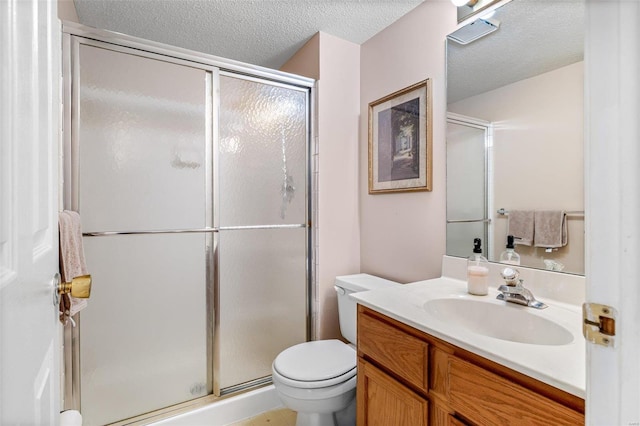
612,159
29,126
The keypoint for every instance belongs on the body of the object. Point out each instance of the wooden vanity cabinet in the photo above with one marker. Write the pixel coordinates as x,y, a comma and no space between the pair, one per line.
409,378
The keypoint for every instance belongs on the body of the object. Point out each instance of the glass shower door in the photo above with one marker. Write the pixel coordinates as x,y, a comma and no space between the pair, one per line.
262,205
192,187
467,175
142,138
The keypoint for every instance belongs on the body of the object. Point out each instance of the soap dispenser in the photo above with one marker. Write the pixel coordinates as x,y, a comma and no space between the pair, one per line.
477,271
509,256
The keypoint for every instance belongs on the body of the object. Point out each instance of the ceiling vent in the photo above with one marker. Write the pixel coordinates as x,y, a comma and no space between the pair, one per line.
473,31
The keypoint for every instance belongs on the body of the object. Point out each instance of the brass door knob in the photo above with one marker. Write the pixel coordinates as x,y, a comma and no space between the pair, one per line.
79,287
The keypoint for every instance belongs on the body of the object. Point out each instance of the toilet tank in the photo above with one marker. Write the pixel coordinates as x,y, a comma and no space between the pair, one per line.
347,308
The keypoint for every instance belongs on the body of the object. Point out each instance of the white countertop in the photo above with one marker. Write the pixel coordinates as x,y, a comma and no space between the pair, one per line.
561,366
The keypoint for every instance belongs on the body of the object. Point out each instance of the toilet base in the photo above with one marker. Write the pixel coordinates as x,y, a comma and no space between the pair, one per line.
345,417
315,419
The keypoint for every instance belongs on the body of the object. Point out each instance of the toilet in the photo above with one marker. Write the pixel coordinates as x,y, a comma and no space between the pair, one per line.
318,379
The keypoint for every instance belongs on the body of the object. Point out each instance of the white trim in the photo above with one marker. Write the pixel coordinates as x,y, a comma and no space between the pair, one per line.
452,116
612,203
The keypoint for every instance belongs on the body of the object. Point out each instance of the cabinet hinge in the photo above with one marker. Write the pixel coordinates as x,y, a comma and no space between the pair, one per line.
599,324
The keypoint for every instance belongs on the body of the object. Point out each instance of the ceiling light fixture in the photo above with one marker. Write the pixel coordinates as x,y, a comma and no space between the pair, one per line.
460,3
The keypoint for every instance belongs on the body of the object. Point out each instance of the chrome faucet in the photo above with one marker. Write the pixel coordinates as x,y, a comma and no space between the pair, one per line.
513,291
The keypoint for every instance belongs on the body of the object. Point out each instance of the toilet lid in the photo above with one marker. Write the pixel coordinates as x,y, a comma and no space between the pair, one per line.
316,361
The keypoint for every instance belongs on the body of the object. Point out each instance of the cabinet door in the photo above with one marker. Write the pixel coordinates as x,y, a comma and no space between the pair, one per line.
383,402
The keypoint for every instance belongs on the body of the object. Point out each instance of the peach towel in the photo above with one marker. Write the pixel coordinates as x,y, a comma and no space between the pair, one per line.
520,225
550,228
72,261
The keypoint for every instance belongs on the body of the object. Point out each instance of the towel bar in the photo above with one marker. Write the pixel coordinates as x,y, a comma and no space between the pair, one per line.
195,230
578,213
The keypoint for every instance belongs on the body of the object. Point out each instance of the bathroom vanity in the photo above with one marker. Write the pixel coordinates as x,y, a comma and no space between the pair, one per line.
408,377
511,364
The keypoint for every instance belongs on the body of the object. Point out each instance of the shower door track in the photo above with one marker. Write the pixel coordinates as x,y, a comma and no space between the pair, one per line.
76,34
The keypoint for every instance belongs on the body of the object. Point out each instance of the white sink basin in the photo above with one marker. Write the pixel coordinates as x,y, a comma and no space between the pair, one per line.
503,321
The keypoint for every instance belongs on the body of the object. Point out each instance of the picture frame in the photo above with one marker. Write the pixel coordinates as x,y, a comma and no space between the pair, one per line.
400,141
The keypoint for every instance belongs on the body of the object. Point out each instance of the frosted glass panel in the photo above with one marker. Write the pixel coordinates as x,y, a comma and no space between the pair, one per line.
460,238
262,300
143,335
141,142
263,148
465,172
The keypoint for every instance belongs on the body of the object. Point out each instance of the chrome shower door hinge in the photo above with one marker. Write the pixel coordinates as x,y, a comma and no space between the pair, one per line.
599,324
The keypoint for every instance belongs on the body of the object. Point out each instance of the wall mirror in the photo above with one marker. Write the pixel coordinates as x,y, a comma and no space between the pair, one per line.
515,131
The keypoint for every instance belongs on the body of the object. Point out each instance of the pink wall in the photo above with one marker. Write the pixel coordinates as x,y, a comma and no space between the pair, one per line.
396,236
403,234
67,11
306,61
337,64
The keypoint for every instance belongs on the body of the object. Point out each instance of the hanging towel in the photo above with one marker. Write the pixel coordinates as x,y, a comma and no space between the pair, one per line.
550,228
72,262
521,226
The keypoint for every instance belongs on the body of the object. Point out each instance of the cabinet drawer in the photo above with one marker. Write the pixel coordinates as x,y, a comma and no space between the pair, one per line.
399,352
488,399
382,401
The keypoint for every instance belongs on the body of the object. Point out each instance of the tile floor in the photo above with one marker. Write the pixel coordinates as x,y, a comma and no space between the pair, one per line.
279,417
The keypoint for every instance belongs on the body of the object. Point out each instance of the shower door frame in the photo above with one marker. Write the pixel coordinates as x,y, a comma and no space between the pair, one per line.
73,35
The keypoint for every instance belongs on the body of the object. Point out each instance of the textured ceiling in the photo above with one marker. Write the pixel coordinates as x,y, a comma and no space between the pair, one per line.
260,32
535,36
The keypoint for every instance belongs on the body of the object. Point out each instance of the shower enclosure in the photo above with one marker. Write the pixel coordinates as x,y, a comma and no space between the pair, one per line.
191,175
468,186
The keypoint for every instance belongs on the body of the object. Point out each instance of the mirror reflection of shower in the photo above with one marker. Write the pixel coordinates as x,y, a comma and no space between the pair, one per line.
468,176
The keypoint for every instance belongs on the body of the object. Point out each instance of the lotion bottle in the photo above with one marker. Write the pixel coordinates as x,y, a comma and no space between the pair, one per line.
509,256
477,271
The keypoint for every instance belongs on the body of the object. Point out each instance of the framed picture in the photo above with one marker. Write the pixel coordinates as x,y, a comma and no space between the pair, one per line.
400,144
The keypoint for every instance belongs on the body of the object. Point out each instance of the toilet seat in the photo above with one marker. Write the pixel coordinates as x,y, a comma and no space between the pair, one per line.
316,364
